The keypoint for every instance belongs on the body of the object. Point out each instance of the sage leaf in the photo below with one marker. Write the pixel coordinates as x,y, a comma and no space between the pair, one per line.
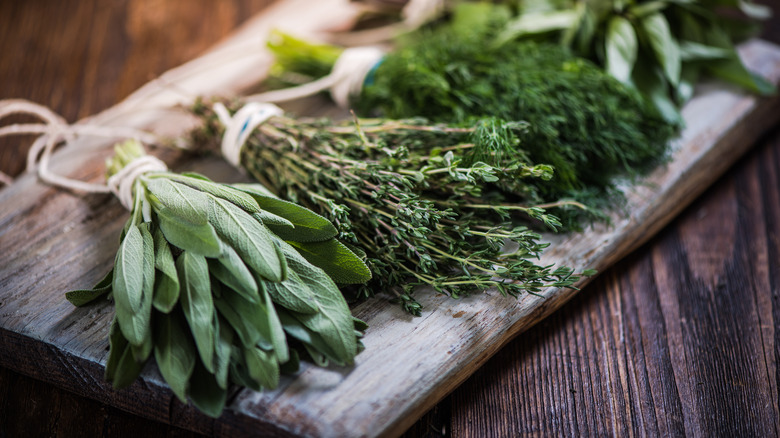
296,329
275,329
166,285
174,352
246,319
222,191
205,392
621,48
131,296
262,367
309,226
233,273
142,318
82,297
341,264
128,280
197,303
268,218
223,339
239,374
121,367
181,200
199,238
333,321
666,50
251,239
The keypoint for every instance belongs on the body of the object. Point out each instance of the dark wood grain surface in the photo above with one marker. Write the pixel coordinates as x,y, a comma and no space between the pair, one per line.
682,337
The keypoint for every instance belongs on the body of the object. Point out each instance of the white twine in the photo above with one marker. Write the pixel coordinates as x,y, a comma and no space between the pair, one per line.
121,183
53,131
344,82
240,126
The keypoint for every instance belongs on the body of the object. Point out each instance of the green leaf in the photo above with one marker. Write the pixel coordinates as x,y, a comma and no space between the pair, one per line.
664,47
251,239
621,49
131,284
644,9
296,329
533,24
688,79
732,69
121,367
174,352
262,367
651,83
128,281
222,191
233,273
268,218
275,329
197,303
144,317
199,238
691,51
333,321
166,285
84,296
205,392
180,200
223,340
755,11
341,264
309,226
249,320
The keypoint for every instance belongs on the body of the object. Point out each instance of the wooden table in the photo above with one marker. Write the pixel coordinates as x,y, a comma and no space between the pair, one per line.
682,337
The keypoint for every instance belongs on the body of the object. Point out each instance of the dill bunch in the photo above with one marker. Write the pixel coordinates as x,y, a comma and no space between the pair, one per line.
404,195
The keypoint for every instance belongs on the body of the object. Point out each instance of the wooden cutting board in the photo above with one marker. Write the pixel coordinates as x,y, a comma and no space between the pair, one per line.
52,241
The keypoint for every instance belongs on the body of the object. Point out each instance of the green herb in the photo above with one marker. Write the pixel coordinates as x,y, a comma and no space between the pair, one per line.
589,127
201,279
661,47
420,199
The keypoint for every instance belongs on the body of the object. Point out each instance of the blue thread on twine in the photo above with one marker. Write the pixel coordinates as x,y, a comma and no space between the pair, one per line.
369,80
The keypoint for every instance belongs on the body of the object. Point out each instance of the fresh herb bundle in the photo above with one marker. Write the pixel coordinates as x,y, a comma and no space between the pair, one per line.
584,123
420,199
223,283
661,47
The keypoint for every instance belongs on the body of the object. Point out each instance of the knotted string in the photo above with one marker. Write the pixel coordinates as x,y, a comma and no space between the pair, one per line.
344,82
121,183
240,126
54,130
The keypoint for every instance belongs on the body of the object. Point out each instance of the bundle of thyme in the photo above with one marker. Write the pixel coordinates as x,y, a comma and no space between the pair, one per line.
421,200
222,283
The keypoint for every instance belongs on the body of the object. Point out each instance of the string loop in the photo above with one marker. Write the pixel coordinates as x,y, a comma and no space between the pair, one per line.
240,126
52,131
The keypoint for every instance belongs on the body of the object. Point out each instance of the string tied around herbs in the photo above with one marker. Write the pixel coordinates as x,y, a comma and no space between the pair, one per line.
344,82
54,130
239,127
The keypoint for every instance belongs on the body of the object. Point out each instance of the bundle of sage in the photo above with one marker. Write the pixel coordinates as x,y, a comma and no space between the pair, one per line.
223,283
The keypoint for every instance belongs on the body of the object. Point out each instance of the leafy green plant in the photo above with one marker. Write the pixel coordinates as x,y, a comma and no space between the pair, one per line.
588,126
661,47
223,283
421,200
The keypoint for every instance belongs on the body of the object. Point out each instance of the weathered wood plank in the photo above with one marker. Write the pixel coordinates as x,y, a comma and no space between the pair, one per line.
383,393
679,338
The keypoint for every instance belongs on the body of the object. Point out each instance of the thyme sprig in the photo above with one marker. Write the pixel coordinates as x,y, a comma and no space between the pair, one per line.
415,197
